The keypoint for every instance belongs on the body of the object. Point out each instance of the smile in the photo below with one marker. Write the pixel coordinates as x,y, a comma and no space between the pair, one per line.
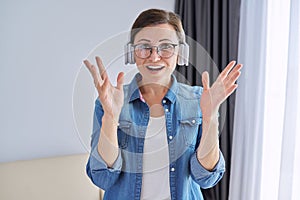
155,68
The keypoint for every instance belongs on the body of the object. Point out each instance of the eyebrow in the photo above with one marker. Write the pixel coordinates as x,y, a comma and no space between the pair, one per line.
146,40
143,40
165,40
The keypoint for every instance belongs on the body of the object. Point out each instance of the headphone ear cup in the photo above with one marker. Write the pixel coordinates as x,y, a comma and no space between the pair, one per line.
129,56
183,54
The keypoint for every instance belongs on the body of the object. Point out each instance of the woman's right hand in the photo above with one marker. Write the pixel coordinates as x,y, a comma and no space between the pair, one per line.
111,98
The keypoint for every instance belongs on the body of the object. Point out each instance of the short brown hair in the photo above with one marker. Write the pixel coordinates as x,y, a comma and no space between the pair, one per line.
152,17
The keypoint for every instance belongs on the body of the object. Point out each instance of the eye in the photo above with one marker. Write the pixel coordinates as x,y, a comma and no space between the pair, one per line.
143,46
166,46
142,50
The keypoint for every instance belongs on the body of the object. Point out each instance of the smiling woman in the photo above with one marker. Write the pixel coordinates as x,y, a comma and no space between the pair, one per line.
156,138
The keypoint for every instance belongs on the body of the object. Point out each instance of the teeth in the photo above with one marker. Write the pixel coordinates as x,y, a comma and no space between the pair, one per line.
155,67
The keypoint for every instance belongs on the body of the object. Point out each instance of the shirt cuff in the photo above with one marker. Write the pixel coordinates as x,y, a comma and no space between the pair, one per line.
97,162
199,171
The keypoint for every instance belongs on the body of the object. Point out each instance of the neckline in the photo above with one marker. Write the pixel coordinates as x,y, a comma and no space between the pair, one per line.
157,118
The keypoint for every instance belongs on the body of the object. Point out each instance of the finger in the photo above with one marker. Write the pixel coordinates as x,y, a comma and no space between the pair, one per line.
237,68
120,81
101,67
88,65
106,85
227,69
230,90
205,80
233,75
93,71
232,79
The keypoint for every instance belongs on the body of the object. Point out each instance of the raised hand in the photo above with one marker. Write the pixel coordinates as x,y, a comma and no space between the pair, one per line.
212,97
111,98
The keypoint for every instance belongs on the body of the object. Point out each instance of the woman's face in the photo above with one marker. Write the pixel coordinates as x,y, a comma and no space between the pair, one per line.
156,52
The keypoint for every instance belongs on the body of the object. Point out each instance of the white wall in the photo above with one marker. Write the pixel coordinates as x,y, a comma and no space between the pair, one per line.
42,45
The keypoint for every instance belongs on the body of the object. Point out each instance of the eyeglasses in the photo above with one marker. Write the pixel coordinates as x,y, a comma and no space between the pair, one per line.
165,50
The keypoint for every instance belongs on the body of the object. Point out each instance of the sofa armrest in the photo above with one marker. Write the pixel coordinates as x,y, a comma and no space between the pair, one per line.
59,178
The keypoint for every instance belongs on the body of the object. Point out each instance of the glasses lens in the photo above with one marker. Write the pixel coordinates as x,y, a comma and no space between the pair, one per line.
142,50
166,50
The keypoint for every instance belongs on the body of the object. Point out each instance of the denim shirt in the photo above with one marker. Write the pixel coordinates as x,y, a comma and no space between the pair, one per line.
184,128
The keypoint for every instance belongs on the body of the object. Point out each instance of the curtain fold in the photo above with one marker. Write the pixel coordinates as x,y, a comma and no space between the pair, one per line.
215,26
249,108
290,157
265,151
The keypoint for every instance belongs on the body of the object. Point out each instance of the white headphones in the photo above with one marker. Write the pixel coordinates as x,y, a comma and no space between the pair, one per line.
183,54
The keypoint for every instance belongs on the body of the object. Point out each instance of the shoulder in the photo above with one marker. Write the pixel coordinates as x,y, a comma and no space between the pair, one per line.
127,92
97,102
189,92
126,87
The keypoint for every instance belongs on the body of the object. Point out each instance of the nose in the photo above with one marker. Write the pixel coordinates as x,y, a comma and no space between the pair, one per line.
154,55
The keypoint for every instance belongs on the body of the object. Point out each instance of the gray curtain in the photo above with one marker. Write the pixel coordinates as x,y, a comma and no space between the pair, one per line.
214,24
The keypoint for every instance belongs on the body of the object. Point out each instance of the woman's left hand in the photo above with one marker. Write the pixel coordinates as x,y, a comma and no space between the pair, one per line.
212,97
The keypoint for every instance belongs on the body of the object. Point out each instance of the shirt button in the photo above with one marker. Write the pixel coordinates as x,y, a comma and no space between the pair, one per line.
193,121
167,110
172,169
170,137
164,101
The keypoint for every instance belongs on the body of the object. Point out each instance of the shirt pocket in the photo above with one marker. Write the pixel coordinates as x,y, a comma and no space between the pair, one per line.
123,131
188,129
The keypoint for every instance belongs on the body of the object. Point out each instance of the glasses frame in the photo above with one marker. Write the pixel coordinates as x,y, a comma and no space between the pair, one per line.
156,48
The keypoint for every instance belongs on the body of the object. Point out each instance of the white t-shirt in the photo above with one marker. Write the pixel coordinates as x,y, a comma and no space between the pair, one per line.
156,184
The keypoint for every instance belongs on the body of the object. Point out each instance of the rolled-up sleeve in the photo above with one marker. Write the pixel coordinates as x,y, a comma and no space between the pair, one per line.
98,171
205,178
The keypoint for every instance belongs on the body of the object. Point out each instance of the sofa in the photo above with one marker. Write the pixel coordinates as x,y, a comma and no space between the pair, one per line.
56,178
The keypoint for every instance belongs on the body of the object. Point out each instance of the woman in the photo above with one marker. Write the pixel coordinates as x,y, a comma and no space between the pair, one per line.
156,138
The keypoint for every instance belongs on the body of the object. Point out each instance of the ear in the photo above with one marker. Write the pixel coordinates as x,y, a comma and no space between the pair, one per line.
129,54
183,54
